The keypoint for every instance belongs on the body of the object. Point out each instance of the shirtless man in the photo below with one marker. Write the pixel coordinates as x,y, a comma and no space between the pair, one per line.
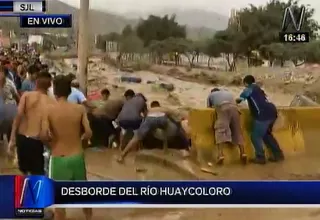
26,127
67,160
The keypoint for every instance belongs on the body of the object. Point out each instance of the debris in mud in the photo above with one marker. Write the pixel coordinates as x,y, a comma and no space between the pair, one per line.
236,81
174,72
167,86
151,82
130,79
208,170
141,169
173,99
126,69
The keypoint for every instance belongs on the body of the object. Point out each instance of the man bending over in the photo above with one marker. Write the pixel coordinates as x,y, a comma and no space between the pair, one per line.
227,127
131,114
158,118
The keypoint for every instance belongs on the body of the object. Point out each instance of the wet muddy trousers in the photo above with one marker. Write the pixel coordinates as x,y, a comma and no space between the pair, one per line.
261,133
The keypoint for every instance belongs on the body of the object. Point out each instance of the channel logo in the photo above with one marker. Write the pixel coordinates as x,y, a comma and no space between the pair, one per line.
28,190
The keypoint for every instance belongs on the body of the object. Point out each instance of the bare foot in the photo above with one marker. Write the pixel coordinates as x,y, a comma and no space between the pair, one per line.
220,160
244,159
120,160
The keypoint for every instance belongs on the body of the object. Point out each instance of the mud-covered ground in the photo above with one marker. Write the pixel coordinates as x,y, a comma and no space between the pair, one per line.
191,88
102,166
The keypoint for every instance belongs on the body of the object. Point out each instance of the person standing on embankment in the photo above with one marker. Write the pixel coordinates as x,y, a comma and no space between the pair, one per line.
264,114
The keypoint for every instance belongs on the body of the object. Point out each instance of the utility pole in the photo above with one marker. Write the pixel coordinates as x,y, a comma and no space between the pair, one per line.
83,41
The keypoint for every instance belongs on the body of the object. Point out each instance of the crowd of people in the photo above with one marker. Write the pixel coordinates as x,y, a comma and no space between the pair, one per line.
47,114
42,113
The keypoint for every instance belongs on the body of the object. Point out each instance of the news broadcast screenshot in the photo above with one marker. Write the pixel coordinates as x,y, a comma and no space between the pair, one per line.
111,110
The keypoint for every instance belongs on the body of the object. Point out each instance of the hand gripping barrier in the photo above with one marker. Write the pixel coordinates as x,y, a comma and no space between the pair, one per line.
297,131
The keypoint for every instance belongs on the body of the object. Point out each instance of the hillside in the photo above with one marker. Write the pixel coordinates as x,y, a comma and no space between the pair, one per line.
105,22
197,18
101,22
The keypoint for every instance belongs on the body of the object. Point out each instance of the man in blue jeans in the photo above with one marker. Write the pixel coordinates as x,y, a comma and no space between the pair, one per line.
264,114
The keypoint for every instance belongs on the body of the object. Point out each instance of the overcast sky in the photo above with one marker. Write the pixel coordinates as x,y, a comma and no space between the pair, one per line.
220,6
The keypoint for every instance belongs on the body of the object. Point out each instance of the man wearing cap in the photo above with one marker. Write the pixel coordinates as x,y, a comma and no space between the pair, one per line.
227,127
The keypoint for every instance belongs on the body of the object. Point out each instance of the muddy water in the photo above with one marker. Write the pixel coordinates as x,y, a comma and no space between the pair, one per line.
187,94
285,171
102,166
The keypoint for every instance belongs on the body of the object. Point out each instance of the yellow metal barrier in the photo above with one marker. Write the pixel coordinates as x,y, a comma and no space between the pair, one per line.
296,134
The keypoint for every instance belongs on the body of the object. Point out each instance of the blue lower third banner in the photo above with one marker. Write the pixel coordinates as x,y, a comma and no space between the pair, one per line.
28,196
46,21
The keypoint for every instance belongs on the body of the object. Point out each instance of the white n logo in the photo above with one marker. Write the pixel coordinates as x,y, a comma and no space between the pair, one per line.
296,22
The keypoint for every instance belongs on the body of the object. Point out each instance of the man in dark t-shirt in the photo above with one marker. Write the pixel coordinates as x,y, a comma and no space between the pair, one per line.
264,114
132,112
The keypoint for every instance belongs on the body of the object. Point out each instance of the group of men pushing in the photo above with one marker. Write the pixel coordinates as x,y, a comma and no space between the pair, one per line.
227,126
58,117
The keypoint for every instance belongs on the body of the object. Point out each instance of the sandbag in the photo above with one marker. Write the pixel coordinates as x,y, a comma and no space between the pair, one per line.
131,79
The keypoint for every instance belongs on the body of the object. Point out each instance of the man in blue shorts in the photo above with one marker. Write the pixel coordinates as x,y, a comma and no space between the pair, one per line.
132,113
160,122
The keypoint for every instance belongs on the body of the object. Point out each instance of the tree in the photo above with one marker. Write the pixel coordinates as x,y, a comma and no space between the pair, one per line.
157,28
255,30
127,31
312,52
129,45
276,51
230,43
212,49
113,36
